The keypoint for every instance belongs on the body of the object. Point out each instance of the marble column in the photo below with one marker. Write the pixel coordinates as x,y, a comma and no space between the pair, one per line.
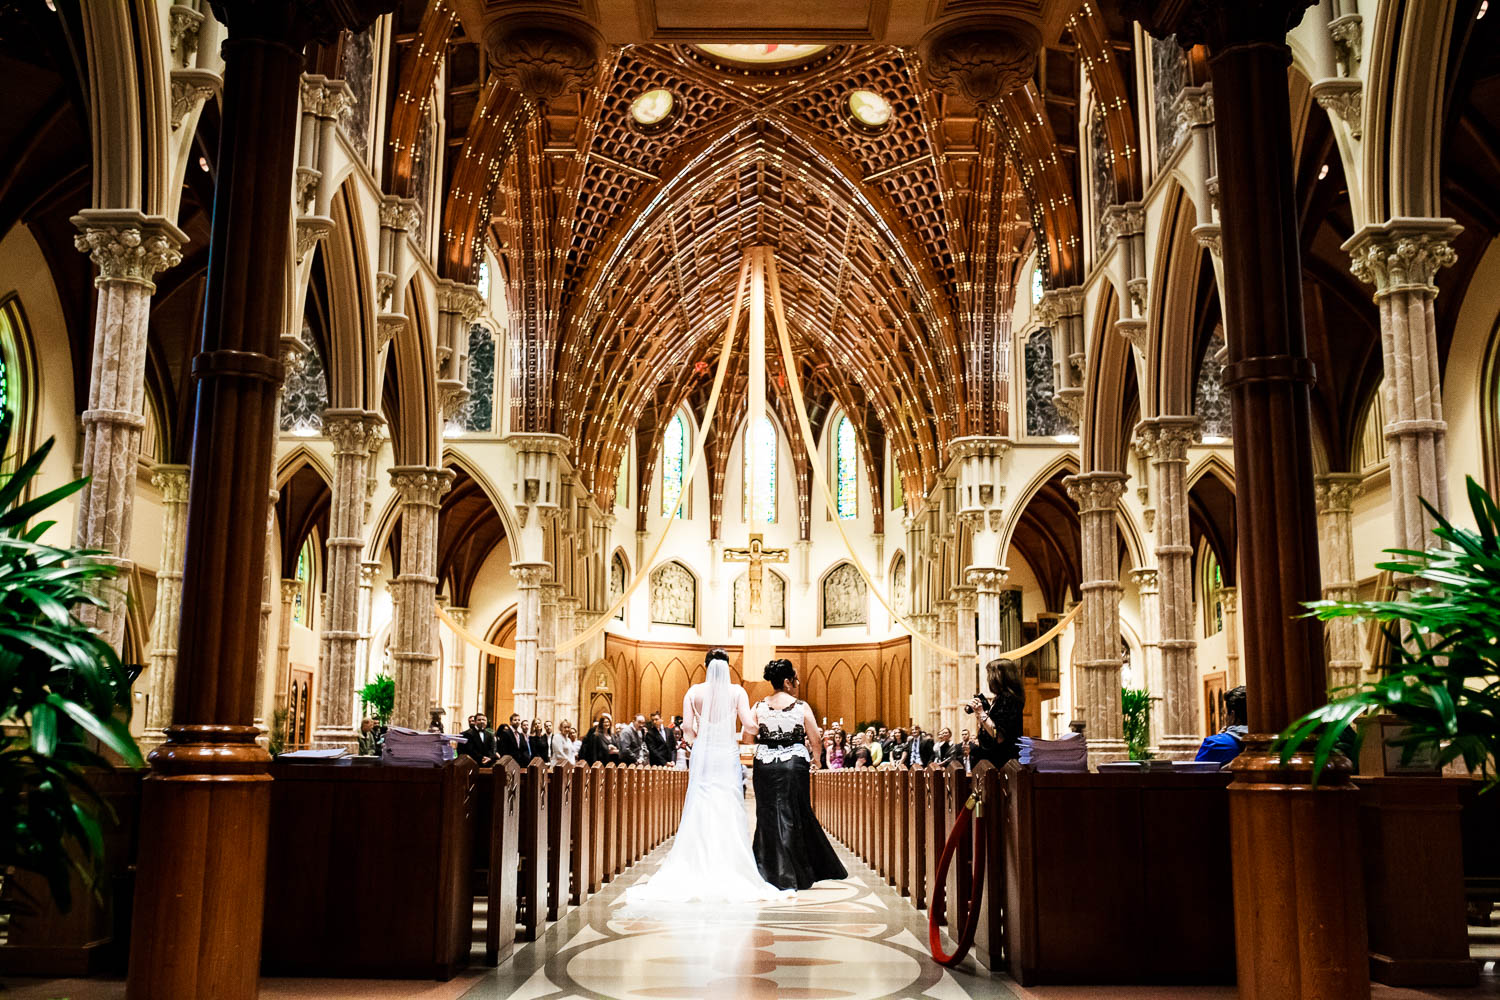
1148,589
567,662
1401,259
289,591
354,434
1335,493
924,676
1307,874
987,584
546,652
1167,439
529,580
128,250
172,482
968,599
458,686
947,703
414,631
369,569
1229,597
199,897
1096,650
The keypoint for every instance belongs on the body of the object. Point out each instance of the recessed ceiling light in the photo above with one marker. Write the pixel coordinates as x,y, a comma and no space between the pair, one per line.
869,111
654,109
203,164
1323,172
1484,8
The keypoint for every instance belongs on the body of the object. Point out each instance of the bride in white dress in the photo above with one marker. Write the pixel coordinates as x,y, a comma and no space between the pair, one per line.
711,860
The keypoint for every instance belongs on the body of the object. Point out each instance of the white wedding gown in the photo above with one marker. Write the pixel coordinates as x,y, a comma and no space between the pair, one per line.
711,860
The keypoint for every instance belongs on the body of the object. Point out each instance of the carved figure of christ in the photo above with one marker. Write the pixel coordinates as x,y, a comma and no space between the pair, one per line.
756,554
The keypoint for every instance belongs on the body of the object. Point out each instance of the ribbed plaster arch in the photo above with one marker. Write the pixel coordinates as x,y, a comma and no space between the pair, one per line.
1067,462
1110,364
298,456
1171,375
351,375
127,89
416,433
471,466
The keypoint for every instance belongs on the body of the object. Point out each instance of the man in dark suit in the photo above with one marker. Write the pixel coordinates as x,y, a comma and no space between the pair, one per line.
479,742
512,742
661,742
919,752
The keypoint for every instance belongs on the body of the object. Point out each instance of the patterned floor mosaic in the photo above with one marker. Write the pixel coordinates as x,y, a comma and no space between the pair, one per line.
848,940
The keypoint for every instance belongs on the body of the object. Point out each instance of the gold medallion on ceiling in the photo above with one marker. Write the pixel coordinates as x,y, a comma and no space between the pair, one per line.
544,56
980,61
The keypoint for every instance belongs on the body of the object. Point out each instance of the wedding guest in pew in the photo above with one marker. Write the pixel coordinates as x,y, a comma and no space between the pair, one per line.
944,749
599,746
564,747
512,741
541,746
479,742
1225,745
369,738
661,742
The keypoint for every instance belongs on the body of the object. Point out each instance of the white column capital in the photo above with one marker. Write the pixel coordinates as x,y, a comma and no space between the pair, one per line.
419,484
126,245
1402,254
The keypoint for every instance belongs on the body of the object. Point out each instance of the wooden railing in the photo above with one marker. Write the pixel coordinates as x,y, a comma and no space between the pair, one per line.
897,821
565,831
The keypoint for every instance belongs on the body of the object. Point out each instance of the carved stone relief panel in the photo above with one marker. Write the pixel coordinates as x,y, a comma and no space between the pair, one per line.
674,595
774,597
845,597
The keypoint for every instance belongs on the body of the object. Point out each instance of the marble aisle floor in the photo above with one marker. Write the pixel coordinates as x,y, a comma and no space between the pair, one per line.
855,939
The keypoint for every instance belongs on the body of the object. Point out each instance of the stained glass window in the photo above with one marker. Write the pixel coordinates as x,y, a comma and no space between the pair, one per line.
1213,596
15,380
304,575
898,488
479,408
483,283
1037,288
846,469
763,490
674,454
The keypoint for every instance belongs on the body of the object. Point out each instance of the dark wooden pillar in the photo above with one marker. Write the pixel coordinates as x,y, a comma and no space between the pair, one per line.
1295,848
201,882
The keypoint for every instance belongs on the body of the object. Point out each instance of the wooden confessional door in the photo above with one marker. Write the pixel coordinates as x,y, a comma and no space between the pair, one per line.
1213,703
299,722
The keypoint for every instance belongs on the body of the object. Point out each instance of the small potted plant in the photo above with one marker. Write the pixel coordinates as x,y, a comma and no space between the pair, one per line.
1445,688
1135,705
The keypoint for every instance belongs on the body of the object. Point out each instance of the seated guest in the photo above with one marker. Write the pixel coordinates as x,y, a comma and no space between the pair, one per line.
1225,745
836,751
1000,721
540,746
943,749
661,742
895,748
599,746
369,738
479,742
862,756
872,744
513,741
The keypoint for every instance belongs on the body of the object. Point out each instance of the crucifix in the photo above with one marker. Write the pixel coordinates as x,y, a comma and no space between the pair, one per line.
756,554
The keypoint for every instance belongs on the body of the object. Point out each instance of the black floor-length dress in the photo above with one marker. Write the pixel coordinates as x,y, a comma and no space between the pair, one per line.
791,848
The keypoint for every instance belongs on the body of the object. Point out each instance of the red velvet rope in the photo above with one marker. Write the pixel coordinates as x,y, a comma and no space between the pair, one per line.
962,824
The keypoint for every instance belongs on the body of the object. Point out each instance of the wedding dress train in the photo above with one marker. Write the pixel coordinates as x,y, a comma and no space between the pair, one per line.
710,860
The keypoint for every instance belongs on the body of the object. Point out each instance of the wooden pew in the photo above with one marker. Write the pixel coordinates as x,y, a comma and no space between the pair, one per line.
559,839
989,939
502,858
933,792
531,897
597,821
900,806
580,837
611,831
918,830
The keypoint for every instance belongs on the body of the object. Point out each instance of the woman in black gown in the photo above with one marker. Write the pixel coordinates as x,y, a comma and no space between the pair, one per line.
791,849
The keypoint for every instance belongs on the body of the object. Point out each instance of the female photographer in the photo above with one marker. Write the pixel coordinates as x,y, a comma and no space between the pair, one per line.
1000,718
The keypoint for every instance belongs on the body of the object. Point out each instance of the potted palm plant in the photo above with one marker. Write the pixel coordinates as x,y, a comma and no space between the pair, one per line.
66,696
1444,689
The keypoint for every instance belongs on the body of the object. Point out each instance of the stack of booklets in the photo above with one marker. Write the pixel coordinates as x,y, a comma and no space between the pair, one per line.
1071,753
409,748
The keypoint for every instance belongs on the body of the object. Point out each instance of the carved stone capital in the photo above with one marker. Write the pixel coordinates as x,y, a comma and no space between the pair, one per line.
1402,254
980,60
1334,493
1344,99
1096,491
387,326
1166,439
128,246
311,229
1194,107
544,57
987,579
464,300
171,481
451,399
325,98
1069,403
1125,220
353,432
418,484
1347,33
183,26
1135,331
1209,235
190,88
1060,303
1146,579
289,591
404,214
531,574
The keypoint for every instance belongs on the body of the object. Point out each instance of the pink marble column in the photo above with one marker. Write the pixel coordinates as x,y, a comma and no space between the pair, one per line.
414,632
128,250
529,580
172,482
1334,494
1096,648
